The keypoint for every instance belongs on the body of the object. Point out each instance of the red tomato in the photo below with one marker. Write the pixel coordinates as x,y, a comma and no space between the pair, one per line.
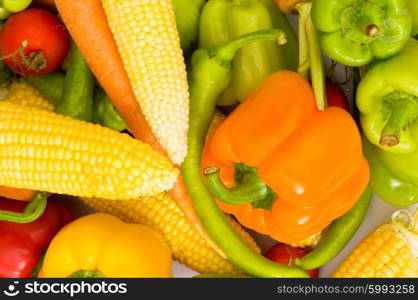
335,96
285,254
34,42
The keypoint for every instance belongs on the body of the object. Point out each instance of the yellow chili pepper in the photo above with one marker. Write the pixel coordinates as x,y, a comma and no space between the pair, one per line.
101,245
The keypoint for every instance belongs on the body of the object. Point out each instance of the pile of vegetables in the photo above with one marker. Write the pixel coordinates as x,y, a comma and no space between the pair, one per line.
185,122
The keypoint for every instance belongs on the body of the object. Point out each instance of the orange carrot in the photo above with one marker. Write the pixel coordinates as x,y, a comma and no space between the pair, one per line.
87,23
16,194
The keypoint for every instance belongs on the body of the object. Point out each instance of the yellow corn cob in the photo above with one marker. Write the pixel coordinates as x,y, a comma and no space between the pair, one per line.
389,251
22,93
309,241
162,214
149,45
44,151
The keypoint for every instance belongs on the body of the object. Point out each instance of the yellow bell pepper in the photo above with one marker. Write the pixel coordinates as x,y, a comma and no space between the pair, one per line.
101,245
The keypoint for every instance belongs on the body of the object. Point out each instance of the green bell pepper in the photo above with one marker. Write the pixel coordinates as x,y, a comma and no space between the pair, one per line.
354,32
387,98
393,177
187,19
223,20
412,6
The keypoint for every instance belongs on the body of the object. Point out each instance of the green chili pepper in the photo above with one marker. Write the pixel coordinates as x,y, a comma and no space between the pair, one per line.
77,93
187,19
211,73
32,211
104,112
338,235
387,98
353,32
412,6
223,20
50,85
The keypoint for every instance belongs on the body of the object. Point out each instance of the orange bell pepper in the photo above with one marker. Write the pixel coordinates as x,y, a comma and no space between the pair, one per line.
307,165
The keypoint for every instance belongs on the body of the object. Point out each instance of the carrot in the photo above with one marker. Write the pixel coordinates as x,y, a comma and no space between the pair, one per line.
87,23
16,194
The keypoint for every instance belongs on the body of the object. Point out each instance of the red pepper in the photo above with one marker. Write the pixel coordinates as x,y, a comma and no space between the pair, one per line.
286,255
21,245
335,96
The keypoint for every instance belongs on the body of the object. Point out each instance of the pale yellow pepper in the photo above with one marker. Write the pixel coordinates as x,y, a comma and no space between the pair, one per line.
101,245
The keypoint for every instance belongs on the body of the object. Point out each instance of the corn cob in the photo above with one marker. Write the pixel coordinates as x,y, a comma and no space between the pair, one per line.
44,151
162,214
389,251
309,241
22,93
149,45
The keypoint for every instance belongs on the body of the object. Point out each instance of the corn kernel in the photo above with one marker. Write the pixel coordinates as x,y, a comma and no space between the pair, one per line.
45,153
149,45
22,93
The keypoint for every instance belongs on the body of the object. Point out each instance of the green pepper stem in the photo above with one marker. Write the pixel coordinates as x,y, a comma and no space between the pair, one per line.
372,30
251,189
308,41
32,211
403,111
227,52
86,274
304,62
